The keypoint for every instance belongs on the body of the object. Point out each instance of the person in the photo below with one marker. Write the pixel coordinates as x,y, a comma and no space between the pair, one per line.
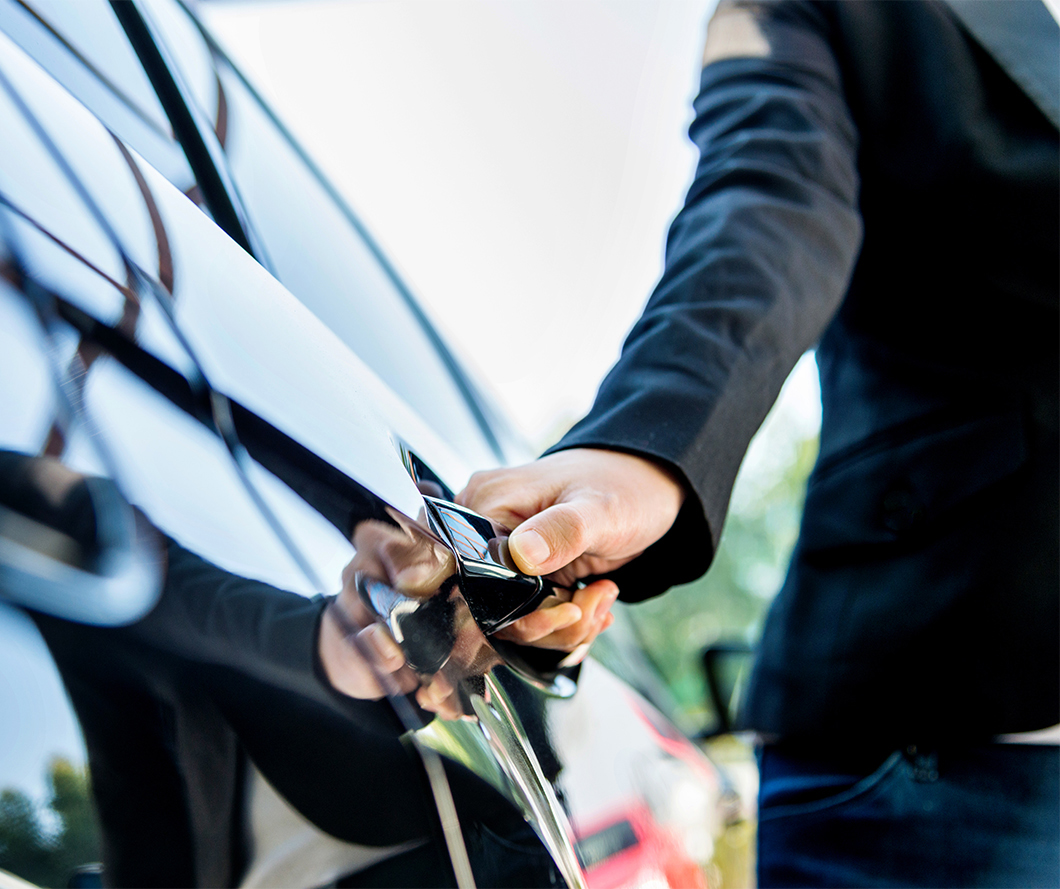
878,180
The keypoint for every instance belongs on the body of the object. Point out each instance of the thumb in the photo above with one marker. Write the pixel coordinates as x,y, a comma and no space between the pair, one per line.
553,538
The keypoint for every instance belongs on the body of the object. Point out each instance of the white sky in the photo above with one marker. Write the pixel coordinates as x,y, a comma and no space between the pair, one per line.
519,161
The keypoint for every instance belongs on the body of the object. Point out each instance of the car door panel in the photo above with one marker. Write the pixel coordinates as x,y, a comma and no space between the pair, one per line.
272,446
177,469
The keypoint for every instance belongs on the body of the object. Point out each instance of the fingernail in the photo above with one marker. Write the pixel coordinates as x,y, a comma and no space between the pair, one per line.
576,656
530,547
571,614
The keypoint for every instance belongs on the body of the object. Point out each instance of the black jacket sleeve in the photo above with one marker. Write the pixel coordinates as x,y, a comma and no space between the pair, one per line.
757,262
209,615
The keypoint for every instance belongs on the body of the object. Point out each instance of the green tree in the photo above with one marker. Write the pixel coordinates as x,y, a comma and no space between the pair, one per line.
43,854
77,841
730,601
25,849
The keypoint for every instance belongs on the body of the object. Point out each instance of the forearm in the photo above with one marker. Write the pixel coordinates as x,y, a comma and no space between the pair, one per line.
757,263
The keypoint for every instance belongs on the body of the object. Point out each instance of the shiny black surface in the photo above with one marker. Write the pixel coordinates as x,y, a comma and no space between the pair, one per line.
285,448
176,349
310,240
497,593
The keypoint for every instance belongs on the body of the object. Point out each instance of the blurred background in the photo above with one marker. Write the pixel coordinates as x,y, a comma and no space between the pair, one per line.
520,163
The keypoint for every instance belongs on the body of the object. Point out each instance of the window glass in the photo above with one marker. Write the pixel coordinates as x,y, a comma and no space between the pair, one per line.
317,252
83,47
309,242
46,809
192,55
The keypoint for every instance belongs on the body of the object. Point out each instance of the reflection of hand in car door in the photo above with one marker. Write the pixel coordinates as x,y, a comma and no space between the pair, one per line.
402,622
407,579
360,658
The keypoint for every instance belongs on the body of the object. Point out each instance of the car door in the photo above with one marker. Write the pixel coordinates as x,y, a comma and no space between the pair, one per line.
234,420
258,440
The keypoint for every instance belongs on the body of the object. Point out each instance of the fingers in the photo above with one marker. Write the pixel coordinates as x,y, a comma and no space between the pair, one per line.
542,624
439,696
380,649
410,562
588,508
552,538
570,625
421,577
365,663
508,496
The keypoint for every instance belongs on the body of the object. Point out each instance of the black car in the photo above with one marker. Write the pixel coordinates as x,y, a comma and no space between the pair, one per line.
220,407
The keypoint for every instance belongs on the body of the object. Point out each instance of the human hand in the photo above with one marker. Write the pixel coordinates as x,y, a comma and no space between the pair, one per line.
360,658
567,622
359,655
576,513
403,576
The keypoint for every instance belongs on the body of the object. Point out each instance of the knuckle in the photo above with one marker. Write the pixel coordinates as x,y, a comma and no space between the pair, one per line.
486,486
609,504
478,478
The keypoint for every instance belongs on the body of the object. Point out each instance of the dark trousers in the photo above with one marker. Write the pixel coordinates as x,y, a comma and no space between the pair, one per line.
985,815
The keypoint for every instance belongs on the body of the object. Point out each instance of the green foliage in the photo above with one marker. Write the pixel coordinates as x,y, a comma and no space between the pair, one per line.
24,849
730,601
45,844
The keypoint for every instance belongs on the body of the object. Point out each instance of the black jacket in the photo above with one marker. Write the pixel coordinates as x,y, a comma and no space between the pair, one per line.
873,182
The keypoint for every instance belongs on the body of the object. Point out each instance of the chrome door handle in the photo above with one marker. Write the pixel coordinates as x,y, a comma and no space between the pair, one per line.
496,591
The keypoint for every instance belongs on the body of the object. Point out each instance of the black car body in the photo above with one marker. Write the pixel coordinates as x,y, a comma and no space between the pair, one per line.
203,353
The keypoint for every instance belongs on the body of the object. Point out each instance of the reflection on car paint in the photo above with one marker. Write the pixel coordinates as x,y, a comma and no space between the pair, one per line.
90,388
322,253
96,42
268,453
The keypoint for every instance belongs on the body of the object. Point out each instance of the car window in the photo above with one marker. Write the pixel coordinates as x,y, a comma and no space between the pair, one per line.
47,818
304,235
83,47
315,246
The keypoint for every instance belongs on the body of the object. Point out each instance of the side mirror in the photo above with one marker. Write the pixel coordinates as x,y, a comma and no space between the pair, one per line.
71,546
727,666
